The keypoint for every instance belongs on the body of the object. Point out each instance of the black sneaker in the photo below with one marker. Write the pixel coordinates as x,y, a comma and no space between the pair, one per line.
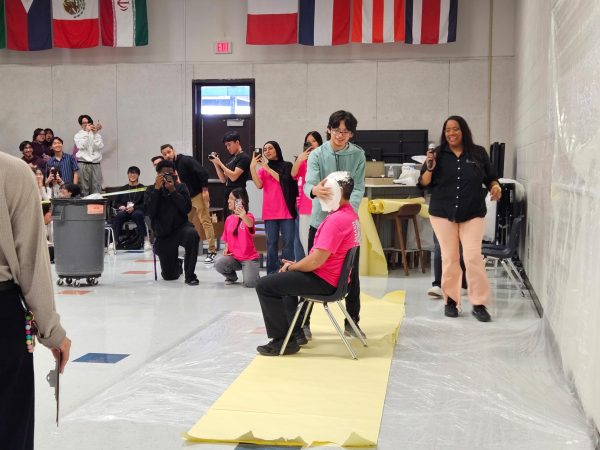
450,310
349,331
300,338
307,332
481,314
192,281
274,347
210,258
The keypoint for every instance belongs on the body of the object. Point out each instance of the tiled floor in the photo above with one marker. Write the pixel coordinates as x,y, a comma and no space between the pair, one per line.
454,383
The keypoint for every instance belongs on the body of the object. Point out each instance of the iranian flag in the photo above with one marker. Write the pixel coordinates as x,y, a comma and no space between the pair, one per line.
124,23
75,23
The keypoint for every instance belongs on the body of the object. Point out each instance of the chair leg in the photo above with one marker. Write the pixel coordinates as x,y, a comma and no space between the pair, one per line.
154,257
291,328
352,324
400,235
339,330
518,275
307,313
511,276
418,239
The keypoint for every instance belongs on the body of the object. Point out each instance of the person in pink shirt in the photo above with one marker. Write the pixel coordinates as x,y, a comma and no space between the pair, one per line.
318,273
279,201
312,140
239,252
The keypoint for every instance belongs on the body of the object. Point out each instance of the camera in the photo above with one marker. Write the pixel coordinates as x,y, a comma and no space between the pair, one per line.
212,155
169,177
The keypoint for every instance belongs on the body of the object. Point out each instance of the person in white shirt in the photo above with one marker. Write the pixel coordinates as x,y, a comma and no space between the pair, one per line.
89,143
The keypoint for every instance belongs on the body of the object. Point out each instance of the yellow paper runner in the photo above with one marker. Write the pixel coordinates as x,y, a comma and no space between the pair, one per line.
372,259
387,205
318,396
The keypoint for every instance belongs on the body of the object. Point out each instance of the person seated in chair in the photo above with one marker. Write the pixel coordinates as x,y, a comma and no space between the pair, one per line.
318,273
168,203
130,207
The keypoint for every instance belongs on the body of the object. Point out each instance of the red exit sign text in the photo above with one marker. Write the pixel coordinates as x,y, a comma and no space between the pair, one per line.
223,47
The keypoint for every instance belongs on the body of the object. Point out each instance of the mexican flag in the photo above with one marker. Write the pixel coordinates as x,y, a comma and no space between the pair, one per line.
2,26
124,23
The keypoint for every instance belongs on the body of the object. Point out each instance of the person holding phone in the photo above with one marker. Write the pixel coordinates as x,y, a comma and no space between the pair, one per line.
168,204
459,174
312,140
89,144
234,173
25,285
280,190
240,252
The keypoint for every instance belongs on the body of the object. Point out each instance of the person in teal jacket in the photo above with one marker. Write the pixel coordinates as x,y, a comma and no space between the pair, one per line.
337,154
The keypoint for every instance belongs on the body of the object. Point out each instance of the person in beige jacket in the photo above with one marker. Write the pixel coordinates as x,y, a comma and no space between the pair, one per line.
24,271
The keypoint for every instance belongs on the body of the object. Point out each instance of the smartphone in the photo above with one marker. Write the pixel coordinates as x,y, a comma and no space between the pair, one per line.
237,203
307,145
258,152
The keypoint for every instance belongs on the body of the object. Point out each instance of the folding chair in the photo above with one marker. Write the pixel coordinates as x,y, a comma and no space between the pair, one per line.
337,297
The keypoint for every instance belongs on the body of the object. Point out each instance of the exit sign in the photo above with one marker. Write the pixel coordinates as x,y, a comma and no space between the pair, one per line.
223,47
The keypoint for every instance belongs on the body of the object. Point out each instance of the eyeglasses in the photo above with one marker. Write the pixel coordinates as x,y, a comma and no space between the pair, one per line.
339,132
28,146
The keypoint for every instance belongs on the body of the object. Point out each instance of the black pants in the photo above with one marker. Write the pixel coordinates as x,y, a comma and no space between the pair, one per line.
16,376
123,216
353,298
278,296
166,248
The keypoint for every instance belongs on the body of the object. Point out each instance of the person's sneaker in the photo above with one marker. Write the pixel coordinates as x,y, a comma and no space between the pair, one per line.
192,281
435,291
274,346
481,314
300,338
450,310
230,281
307,332
180,262
349,331
210,258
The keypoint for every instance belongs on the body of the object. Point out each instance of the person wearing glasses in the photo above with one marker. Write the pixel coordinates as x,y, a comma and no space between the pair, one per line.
89,143
39,144
337,154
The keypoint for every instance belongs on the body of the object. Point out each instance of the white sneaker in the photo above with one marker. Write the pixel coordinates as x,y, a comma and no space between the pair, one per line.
435,291
210,258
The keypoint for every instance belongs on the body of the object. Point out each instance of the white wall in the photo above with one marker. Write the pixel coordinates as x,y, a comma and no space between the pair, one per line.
143,96
557,136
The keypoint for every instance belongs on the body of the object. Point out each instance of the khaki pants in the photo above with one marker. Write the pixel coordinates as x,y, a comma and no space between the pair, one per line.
199,216
469,234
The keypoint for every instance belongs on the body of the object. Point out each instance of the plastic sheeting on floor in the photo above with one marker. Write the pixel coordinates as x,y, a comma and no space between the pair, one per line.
461,384
318,396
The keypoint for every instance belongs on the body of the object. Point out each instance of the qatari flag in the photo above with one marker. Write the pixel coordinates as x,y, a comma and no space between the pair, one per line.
431,21
28,24
324,22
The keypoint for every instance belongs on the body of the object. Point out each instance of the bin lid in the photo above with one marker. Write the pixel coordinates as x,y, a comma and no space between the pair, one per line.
78,201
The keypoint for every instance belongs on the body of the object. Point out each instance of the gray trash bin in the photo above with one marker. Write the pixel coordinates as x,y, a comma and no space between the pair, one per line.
78,239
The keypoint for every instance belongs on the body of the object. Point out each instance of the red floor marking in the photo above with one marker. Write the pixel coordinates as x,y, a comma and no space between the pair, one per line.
137,272
74,292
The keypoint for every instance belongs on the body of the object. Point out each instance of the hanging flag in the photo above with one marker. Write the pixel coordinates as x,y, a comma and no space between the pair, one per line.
28,24
377,21
431,21
75,23
124,23
2,26
272,22
324,22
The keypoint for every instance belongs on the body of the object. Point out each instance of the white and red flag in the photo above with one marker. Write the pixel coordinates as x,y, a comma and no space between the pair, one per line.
377,21
272,22
75,23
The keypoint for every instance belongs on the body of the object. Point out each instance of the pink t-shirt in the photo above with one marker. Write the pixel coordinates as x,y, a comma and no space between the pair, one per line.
304,203
274,206
241,246
338,233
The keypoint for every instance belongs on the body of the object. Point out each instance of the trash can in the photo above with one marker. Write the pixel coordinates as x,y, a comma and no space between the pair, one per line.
78,239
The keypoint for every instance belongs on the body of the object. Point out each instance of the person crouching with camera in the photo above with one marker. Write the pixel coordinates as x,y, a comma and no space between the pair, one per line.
240,252
168,203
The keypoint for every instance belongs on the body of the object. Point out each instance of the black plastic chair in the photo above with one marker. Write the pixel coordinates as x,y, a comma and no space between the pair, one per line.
337,297
504,254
